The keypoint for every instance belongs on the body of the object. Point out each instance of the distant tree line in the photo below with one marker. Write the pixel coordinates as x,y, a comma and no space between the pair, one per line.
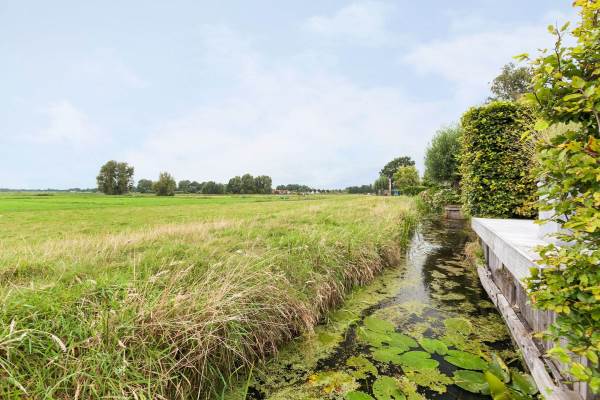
296,188
247,184
360,189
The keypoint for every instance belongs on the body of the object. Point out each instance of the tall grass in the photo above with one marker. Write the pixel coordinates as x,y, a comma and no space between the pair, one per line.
176,311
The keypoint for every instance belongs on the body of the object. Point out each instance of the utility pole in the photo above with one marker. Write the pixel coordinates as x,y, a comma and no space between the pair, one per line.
389,186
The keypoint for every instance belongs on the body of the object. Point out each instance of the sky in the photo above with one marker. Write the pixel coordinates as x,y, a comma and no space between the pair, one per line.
320,92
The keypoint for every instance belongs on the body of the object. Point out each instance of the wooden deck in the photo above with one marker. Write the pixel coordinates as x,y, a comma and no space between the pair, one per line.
509,252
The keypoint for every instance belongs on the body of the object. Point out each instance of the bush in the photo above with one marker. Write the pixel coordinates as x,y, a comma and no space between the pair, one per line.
494,166
566,89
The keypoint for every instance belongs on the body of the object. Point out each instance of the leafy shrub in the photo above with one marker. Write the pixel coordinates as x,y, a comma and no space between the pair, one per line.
412,190
495,169
567,91
435,199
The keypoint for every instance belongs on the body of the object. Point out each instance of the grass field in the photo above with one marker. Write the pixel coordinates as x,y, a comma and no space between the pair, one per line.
149,298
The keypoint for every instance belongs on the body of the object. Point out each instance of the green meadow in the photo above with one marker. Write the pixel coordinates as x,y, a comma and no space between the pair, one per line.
147,297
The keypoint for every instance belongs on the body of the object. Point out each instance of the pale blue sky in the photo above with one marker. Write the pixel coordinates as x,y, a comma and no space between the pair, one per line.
315,92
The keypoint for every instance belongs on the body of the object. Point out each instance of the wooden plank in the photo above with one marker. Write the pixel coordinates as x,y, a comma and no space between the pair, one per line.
522,336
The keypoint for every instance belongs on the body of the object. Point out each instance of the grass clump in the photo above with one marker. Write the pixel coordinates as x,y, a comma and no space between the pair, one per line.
144,298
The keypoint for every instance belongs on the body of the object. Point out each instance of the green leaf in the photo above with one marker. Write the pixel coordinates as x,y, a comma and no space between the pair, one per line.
524,383
387,388
559,353
401,340
498,368
572,96
418,360
471,381
498,389
430,378
541,125
434,346
465,360
379,325
375,339
358,395
388,354
577,82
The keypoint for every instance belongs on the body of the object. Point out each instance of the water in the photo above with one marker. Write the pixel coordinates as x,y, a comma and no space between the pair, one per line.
433,286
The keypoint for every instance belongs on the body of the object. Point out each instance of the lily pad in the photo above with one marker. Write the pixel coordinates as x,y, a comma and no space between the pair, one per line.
358,395
388,354
430,378
375,339
387,388
465,360
362,367
498,368
434,346
401,340
378,325
417,360
458,325
523,383
471,381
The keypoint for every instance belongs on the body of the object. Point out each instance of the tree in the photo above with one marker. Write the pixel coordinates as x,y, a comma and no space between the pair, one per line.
381,184
195,187
212,187
263,184
406,178
144,186
441,157
165,185
234,185
390,168
512,83
184,186
247,184
566,90
115,178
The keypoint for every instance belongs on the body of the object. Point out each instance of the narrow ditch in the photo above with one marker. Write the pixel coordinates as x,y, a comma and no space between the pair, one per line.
433,294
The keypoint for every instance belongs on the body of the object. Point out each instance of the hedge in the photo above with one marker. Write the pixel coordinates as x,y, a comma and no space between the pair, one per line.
495,164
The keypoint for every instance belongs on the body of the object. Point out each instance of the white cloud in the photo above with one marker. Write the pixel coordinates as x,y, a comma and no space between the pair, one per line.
105,67
471,60
66,124
360,22
317,129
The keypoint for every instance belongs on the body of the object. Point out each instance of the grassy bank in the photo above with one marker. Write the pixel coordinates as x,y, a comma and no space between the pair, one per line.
170,298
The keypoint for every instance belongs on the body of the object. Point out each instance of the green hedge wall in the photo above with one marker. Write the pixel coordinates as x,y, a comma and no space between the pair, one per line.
495,163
